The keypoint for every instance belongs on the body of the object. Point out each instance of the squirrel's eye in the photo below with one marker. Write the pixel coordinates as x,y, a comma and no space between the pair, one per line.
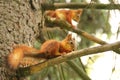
71,42
78,15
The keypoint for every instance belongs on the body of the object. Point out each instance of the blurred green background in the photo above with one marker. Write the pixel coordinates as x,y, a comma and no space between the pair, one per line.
97,22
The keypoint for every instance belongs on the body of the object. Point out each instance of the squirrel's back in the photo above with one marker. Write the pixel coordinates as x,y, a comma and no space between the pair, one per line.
49,49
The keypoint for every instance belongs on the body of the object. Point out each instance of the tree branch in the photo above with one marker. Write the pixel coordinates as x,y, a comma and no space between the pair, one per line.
69,56
80,5
65,25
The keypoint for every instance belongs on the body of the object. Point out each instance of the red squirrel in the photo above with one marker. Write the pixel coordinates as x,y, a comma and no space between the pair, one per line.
49,49
65,14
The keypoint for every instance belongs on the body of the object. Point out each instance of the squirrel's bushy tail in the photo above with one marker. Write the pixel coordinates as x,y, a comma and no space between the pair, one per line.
15,57
19,52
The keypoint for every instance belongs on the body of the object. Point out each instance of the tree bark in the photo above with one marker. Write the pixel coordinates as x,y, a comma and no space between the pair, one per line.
20,23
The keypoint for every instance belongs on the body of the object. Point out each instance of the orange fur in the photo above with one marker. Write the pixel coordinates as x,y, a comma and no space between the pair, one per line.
66,15
18,53
49,49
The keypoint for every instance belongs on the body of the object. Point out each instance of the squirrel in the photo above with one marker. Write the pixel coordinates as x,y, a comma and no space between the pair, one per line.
48,50
65,14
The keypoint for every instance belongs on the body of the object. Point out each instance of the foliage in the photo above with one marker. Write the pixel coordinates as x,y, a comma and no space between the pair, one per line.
94,21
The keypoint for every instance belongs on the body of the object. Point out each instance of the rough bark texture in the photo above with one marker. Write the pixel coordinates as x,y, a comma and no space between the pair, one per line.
19,24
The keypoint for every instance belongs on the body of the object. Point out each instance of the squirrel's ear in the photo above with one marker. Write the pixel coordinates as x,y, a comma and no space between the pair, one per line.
79,11
69,36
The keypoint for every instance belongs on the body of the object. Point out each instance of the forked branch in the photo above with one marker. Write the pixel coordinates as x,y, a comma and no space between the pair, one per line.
66,25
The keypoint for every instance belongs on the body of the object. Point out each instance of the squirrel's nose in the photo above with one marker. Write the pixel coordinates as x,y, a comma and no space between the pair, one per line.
73,49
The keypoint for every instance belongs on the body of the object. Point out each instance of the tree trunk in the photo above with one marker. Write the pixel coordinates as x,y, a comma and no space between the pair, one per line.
19,24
